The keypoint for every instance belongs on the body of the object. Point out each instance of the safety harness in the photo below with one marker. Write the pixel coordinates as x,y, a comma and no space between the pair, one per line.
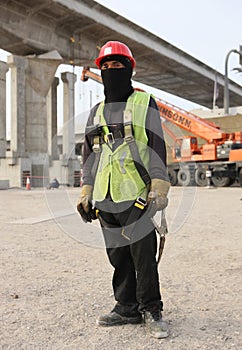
107,137
139,205
140,202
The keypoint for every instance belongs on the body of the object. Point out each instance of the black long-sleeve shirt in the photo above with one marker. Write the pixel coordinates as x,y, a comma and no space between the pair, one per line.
114,116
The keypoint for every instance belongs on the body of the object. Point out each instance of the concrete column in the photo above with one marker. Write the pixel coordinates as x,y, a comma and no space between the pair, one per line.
52,120
31,79
3,71
18,121
69,80
40,73
36,121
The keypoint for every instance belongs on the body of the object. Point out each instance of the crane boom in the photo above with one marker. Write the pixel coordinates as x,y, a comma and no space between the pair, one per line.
190,122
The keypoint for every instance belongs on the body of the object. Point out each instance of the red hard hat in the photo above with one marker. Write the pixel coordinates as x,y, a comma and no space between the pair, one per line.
115,48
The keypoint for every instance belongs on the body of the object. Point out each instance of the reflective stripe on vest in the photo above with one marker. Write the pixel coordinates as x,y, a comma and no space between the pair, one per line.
116,170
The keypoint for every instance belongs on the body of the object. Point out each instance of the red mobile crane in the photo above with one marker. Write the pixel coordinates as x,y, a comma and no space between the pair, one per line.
221,152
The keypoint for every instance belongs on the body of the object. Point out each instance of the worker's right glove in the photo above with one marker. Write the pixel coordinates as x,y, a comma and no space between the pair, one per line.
157,197
84,205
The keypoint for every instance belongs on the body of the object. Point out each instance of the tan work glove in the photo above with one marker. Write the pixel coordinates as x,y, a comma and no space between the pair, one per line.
157,197
84,205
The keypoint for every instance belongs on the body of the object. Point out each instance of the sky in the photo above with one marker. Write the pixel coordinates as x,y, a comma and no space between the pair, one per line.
206,29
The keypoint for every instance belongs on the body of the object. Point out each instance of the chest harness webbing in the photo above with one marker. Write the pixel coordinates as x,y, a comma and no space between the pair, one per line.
128,137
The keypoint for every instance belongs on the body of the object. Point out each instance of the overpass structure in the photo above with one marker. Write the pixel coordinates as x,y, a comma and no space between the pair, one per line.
42,34
77,29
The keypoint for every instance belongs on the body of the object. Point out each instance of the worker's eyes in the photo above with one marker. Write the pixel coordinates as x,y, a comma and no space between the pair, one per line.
104,66
113,64
117,65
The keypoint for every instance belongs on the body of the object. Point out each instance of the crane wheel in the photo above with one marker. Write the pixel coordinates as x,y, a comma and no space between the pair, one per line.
172,177
200,177
185,178
240,177
220,181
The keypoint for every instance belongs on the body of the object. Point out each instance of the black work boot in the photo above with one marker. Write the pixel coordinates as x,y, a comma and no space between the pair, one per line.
157,327
115,319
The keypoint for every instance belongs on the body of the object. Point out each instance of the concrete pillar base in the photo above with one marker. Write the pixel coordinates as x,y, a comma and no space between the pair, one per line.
16,174
4,184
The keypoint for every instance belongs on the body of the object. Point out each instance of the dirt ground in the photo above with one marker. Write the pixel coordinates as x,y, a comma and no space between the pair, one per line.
56,279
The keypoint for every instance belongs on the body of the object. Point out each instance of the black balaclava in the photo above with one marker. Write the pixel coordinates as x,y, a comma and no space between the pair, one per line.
117,81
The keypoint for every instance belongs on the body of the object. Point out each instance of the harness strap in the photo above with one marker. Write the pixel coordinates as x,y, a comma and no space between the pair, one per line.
135,213
161,248
130,140
161,230
97,151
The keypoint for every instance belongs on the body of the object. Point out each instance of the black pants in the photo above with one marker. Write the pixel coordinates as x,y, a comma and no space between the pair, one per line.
135,277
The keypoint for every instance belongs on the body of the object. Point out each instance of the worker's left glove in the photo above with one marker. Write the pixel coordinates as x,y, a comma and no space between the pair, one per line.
157,197
84,205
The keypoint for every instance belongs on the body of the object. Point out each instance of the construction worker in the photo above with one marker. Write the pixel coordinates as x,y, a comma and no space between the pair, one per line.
54,183
125,183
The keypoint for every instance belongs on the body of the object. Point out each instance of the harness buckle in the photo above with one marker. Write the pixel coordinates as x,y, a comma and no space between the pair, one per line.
109,138
127,113
129,138
140,203
96,148
96,144
128,132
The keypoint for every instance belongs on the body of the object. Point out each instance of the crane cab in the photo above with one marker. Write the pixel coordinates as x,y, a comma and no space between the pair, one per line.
185,148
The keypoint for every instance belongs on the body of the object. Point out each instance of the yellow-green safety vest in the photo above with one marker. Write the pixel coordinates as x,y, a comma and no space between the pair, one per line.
116,170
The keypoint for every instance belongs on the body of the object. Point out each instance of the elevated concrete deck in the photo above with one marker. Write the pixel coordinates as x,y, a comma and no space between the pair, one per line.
77,28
